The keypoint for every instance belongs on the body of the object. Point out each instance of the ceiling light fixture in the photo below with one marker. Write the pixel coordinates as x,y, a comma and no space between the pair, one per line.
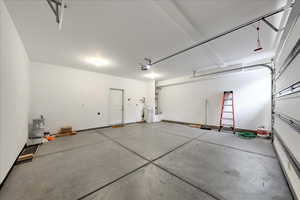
152,75
97,61
147,66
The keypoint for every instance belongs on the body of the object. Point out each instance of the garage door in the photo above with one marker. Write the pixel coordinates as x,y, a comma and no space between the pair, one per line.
287,103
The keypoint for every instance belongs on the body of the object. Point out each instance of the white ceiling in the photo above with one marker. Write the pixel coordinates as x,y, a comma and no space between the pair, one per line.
127,31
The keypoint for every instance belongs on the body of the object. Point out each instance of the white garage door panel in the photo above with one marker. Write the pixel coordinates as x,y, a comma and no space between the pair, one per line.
289,45
290,76
289,136
289,106
287,145
288,168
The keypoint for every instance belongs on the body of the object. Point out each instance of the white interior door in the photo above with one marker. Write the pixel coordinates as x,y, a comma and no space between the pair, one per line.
116,106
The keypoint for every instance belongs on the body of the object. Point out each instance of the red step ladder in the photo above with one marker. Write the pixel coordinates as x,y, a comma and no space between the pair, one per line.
227,112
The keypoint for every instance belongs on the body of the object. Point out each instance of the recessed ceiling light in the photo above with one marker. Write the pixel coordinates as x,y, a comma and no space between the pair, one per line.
148,66
152,75
97,61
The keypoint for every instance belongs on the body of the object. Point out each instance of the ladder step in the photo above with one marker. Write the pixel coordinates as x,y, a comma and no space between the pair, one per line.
227,118
227,125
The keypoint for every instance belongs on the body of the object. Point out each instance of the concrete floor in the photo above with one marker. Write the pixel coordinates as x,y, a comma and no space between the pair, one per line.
150,161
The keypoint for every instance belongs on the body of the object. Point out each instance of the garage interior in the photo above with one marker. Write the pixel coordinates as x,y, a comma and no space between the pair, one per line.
149,99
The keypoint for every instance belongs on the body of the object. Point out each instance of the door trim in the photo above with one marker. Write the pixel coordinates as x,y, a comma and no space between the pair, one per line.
123,107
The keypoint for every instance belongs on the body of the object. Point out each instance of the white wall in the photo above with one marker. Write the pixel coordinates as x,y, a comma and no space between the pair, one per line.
289,106
67,96
252,93
14,93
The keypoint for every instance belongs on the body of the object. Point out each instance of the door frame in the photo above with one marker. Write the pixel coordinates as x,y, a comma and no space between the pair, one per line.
109,104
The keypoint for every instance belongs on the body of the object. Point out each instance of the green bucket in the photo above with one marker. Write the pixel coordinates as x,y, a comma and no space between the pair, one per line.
246,135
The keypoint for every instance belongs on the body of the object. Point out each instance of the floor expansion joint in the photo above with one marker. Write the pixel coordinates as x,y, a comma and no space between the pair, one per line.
202,189
238,149
113,181
66,150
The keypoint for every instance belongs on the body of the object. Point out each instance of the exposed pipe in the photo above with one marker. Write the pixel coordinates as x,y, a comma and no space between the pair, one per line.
223,34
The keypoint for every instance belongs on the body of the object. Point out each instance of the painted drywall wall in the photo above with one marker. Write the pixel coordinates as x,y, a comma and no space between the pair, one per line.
14,93
252,93
288,105
67,96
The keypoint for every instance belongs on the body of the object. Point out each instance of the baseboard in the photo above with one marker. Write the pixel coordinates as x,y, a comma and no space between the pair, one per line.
109,126
81,130
91,129
210,126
